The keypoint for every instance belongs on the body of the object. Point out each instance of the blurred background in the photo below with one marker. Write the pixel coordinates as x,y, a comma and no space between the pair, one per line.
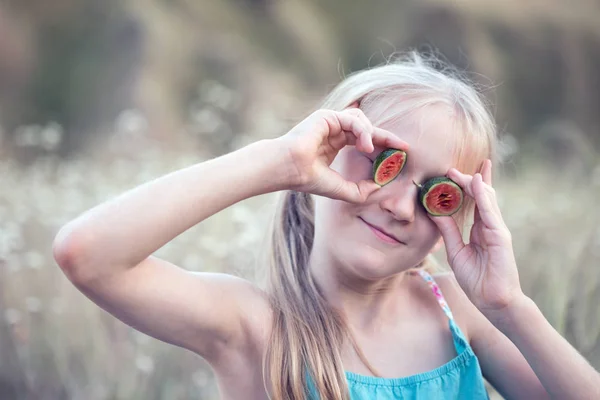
99,96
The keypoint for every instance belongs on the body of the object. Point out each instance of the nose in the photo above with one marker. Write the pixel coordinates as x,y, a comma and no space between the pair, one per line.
400,200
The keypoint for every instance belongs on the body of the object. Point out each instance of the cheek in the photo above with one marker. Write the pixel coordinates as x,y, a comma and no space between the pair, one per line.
331,213
427,232
430,232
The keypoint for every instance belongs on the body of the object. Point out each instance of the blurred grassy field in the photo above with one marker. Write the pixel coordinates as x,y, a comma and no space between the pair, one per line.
56,344
191,80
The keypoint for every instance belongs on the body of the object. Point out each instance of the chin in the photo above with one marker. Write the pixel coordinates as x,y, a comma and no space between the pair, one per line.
372,275
370,264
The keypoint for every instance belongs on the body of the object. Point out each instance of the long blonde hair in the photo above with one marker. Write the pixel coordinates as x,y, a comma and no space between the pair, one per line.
307,333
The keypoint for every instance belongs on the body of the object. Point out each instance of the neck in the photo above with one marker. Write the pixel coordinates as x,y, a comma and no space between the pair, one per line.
367,304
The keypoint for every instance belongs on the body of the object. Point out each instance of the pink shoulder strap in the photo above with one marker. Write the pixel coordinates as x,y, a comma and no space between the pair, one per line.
437,292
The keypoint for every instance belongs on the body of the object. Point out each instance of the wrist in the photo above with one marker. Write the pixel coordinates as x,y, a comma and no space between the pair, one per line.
518,310
288,175
275,167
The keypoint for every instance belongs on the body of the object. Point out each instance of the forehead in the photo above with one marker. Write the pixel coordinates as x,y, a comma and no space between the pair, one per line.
433,135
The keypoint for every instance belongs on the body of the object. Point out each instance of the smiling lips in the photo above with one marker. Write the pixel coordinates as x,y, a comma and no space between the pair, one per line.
381,234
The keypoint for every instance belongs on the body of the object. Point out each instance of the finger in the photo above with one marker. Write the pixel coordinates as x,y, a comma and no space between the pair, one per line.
350,121
486,171
466,182
352,192
463,180
451,234
353,105
386,139
485,198
379,136
369,129
373,136
339,140
347,123
476,234
350,139
366,138
365,189
476,215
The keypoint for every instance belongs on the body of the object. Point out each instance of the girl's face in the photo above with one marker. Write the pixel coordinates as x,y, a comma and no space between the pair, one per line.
391,232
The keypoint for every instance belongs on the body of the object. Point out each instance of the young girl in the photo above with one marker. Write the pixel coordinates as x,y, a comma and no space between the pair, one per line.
351,309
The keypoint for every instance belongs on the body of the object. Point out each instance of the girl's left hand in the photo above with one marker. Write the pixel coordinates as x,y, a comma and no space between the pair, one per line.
485,267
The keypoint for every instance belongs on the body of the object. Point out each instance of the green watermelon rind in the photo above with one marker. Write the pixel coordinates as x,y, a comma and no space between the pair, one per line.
431,184
384,155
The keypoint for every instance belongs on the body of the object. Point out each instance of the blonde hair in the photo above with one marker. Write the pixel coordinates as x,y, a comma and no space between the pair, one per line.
307,333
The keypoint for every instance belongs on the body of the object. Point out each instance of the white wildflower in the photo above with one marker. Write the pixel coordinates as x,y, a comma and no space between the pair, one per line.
11,238
12,316
13,263
51,136
22,211
33,259
250,236
28,135
57,306
33,304
131,123
206,121
144,363
242,214
192,262
200,378
141,338
218,95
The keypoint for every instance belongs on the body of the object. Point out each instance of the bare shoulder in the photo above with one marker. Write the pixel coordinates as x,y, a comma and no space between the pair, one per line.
253,303
246,348
251,299
247,293
218,316
468,317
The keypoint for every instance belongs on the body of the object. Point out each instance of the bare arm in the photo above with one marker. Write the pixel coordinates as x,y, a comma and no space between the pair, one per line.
107,251
564,373
521,340
501,362
100,241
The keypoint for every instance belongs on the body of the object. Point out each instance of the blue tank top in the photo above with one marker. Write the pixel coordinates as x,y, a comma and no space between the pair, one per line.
460,378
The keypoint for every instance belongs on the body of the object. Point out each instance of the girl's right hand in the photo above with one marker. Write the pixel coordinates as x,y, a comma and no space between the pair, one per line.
312,145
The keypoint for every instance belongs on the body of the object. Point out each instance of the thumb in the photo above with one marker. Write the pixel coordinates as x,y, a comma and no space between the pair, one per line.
451,234
366,188
354,192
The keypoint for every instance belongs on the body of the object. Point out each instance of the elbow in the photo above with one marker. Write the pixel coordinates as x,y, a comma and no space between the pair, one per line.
70,250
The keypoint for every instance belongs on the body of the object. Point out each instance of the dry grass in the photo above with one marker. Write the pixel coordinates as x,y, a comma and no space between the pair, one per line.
59,345
56,344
